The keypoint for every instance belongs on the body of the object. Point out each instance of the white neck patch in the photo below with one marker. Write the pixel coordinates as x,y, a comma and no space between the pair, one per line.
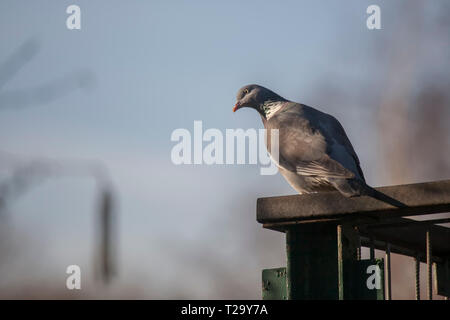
270,108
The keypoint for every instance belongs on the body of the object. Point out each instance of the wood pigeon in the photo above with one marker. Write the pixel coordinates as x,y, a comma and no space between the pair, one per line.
315,153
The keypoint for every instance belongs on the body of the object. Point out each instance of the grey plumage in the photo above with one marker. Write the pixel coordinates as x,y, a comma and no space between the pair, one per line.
315,153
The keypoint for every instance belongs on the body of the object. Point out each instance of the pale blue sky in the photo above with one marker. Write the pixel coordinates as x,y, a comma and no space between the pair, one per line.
158,66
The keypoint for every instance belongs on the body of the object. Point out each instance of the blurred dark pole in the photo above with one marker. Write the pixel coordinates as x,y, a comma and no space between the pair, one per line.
107,235
27,174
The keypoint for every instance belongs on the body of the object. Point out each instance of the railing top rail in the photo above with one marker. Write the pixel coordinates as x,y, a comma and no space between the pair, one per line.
419,198
374,218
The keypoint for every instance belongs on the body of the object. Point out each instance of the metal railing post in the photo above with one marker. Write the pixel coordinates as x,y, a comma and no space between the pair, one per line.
388,272
417,263
429,267
312,268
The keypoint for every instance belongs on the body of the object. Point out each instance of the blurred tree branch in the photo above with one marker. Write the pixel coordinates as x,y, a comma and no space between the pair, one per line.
40,94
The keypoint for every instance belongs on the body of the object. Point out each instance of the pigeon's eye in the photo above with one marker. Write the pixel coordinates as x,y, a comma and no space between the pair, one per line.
245,91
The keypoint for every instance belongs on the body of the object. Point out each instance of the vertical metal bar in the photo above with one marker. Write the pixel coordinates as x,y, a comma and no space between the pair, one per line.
372,248
358,247
312,269
417,262
340,263
435,279
388,272
429,267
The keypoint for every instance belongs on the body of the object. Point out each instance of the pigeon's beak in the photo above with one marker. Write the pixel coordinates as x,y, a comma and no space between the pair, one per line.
236,106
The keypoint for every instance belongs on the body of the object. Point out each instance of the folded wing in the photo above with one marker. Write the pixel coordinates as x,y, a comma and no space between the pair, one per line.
312,143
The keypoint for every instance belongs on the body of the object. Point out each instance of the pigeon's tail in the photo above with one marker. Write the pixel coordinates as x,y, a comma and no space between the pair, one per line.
357,187
371,192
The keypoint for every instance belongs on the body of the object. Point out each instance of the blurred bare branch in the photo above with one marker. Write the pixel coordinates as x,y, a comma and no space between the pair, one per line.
47,92
21,56
41,94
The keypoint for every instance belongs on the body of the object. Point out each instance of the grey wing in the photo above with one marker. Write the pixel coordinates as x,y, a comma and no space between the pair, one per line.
340,147
309,147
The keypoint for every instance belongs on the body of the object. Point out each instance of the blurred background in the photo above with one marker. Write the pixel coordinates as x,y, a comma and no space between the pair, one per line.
86,117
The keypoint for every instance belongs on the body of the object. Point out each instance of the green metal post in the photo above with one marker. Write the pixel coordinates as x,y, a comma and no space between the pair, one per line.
312,268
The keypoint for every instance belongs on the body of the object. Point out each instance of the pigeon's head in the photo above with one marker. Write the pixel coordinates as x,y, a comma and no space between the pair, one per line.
254,96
